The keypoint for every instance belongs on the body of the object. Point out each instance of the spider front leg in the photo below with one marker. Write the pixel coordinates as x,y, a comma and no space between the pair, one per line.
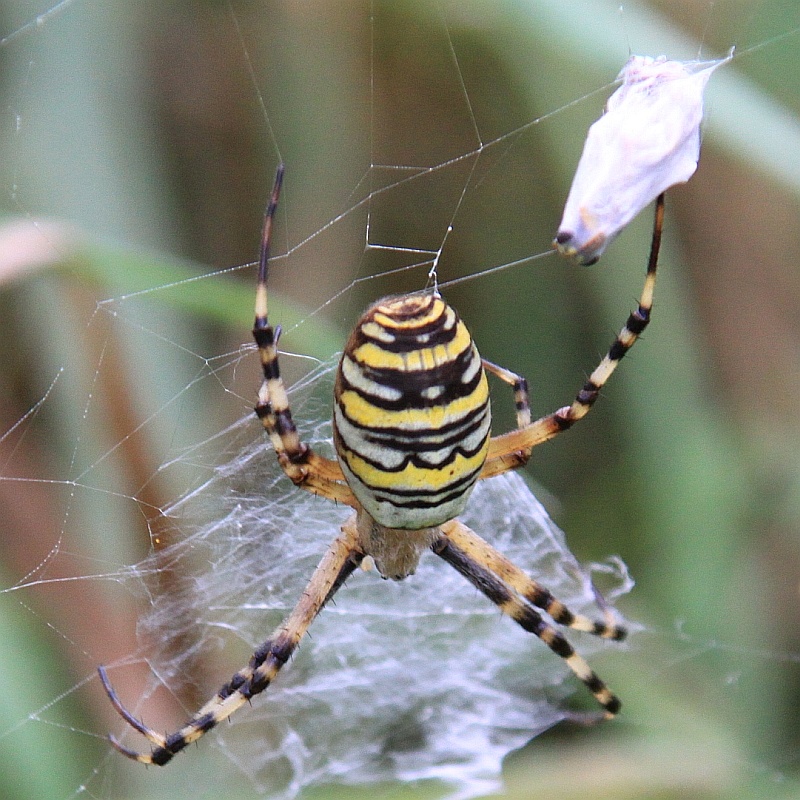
338,563
515,594
303,466
511,450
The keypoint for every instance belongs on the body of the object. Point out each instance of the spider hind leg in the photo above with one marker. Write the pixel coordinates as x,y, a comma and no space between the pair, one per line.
515,594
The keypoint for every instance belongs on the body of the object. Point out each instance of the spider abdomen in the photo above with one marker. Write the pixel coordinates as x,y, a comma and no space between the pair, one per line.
411,412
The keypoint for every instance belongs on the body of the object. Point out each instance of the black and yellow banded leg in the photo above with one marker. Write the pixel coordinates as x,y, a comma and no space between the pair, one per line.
519,385
506,599
305,468
522,406
482,553
338,563
510,450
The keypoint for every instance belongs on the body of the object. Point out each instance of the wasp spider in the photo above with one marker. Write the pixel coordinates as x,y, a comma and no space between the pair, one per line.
411,424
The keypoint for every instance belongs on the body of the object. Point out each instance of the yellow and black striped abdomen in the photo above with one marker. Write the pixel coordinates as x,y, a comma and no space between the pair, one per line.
411,412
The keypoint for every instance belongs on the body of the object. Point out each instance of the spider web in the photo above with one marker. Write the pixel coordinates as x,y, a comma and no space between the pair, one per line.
381,663
157,535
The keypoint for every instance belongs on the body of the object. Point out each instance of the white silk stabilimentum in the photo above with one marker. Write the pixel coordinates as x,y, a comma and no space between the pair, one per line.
647,140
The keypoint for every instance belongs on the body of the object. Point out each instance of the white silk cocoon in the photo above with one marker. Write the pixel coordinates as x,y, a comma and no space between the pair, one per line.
647,140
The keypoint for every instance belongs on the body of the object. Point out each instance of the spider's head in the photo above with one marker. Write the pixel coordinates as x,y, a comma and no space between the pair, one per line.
396,552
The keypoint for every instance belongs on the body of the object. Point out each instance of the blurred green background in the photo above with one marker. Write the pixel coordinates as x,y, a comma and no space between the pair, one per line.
138,149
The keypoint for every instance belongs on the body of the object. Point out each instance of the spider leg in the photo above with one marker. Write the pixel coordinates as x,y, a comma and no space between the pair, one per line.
511,450
305,468
341,559
520,387
469,563
480,551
